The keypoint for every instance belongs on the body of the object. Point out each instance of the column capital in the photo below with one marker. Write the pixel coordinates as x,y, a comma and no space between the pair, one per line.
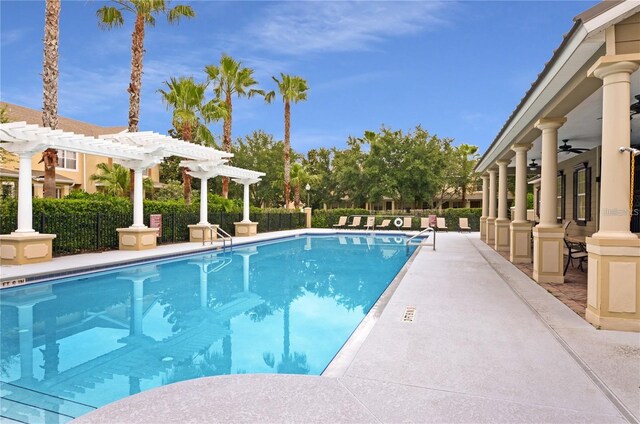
550,123
607,65
503,162
485,176
521,147
492,170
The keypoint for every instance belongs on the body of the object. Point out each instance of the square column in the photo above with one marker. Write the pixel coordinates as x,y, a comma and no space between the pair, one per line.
501,242
548,236
520,228
491,219
485,206
613,284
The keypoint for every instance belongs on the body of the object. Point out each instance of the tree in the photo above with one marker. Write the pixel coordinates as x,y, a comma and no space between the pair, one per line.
467,157
145,12
292,89
115,179
229,79
260,152
299,178
319,162
191,113
50,75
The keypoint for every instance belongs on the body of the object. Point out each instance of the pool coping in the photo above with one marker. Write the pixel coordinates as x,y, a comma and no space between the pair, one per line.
67,266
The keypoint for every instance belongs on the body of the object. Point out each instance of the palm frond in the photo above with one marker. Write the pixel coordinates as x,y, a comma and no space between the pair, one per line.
109,17
180,11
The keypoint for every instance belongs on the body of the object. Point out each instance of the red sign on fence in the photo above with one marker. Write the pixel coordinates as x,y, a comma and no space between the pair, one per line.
155,221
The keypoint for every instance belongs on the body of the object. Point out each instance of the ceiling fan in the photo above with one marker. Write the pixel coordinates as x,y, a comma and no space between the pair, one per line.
533,166
567,148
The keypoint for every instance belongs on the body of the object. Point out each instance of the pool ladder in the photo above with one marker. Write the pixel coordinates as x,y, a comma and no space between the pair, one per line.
422,243
220,234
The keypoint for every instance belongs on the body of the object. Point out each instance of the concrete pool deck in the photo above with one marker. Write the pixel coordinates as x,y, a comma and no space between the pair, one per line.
487,344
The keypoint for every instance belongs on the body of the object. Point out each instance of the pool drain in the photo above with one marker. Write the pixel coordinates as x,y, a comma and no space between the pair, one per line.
409,314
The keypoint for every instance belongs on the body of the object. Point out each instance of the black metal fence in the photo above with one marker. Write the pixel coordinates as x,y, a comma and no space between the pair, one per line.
95,232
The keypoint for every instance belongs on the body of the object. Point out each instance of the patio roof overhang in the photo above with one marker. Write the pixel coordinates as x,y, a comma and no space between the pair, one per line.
563,88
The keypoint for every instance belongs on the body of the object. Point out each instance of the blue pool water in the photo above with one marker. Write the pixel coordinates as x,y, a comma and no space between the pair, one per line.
75,344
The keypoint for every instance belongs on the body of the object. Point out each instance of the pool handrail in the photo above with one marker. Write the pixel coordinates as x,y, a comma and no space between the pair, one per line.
219,233
426,230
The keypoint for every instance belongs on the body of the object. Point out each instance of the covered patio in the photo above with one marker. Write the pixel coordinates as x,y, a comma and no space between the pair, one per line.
574,122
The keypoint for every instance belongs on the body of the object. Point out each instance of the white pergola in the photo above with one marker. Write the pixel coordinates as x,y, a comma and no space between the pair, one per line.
213,168
137,151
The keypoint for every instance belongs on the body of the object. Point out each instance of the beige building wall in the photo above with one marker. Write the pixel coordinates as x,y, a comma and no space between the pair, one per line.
627,35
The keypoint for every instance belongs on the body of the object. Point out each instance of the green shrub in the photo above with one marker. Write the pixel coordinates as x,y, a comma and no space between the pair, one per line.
326,218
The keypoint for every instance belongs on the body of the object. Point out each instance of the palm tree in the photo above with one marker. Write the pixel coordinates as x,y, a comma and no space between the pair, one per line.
300,177
293,89
230,78
145,12
190,116
115,179
50,75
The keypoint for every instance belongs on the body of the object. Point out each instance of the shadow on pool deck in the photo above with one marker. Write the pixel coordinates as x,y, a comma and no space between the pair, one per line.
487,345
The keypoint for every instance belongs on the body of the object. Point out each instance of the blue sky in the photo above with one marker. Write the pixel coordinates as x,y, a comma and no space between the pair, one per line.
456,68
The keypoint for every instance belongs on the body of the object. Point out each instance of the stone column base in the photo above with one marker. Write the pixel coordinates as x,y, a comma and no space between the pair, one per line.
501,241
483,228
137,238
246,229
613,283
548,254
520,242
202,232
25,248
490,237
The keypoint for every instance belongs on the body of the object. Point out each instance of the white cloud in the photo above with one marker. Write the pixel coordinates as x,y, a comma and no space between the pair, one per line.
11,36
304,27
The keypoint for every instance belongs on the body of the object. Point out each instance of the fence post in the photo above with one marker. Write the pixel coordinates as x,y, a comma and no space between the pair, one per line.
279,221
43,220
173,224
98,231
290,221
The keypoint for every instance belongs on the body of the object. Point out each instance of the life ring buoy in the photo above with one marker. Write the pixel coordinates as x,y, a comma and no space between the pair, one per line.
398,222
398,240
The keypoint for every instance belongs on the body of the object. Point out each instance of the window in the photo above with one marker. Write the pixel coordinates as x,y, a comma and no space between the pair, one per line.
582,194
67,160
561,193
7,189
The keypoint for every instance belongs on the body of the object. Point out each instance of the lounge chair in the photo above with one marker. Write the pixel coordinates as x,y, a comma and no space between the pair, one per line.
371,222
441,224
406,222
463,223
341,222
424,223
384,224
355,222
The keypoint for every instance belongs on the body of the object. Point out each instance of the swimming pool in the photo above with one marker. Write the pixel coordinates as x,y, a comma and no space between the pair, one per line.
72,345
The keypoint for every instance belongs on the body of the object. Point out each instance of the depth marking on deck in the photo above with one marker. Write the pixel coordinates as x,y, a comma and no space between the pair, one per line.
409,314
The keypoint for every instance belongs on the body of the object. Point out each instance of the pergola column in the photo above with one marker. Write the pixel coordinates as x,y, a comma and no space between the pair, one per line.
202,231
502,222
491,219
548,244
485,206
245,227
138,236
520,228
25,245
613,282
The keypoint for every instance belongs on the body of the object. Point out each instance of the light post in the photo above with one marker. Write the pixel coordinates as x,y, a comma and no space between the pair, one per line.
308,187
